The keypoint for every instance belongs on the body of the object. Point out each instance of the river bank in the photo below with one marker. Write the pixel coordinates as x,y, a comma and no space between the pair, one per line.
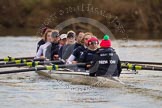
135,18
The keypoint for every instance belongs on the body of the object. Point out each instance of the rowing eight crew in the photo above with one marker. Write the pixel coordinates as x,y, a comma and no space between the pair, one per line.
82,47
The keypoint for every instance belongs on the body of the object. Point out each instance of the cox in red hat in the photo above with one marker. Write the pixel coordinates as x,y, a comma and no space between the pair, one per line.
93,40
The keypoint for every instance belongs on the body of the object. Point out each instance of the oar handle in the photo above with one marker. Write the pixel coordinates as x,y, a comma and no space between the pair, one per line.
152,68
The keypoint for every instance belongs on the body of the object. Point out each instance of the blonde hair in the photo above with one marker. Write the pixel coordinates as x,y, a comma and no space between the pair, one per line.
87,33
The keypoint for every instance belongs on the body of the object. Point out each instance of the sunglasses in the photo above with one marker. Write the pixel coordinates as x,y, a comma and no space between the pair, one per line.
70,37
93,43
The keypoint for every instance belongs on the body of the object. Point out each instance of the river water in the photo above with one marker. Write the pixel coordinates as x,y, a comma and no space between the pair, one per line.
29,90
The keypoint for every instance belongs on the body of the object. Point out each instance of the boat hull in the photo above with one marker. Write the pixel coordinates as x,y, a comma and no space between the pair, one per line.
82,78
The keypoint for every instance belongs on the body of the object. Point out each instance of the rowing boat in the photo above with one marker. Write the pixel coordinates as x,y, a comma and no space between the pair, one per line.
82,78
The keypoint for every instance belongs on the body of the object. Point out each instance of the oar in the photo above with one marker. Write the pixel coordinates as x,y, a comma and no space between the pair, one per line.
52,67
22,61
7,59
141,67
32,64
140,62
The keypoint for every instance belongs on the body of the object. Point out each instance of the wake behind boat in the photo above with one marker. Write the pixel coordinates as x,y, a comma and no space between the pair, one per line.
82,78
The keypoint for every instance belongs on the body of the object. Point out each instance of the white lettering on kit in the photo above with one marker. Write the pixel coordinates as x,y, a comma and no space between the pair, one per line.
103,62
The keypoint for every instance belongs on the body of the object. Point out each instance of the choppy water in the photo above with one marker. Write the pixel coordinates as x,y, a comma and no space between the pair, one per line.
28,90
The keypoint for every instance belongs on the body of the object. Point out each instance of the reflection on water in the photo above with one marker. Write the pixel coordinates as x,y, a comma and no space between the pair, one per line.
30,90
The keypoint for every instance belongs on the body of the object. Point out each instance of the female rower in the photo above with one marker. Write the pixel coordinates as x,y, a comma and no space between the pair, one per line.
62,42
88,54
105,62
74,57
44,51
69,47
42,41
55,44
79,38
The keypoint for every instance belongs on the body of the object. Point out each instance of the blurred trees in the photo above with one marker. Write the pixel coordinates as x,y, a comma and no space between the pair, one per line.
139,17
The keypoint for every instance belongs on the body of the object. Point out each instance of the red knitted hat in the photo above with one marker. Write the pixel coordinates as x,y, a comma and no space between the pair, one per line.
105,42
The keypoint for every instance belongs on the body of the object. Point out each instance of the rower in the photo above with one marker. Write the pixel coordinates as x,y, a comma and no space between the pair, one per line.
42,41
69,47
62,42
44,50
88,54
55,45
74,57
79,38
105,62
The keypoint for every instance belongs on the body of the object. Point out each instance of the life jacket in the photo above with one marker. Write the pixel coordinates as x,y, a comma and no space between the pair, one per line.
106,63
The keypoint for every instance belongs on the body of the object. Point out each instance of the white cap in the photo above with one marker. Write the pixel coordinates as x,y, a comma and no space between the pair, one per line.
63,36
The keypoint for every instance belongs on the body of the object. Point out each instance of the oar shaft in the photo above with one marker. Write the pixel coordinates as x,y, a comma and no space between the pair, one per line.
22,61
52,67
140,62
22,70
4,63
141,67
31,64
152,68
12,58
12,65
